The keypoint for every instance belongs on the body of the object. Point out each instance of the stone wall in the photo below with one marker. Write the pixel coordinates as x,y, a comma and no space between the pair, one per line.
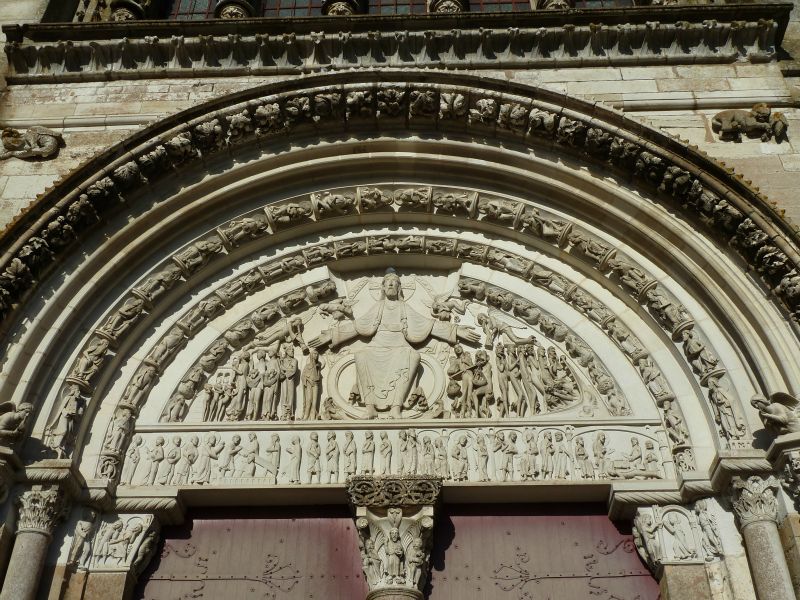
678,99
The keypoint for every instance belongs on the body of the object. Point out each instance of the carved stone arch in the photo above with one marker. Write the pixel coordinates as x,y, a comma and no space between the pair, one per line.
654,215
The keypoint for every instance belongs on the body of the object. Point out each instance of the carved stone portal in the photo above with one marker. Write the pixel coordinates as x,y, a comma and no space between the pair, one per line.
395,517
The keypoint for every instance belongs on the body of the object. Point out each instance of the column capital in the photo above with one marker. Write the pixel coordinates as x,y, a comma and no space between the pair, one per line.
754,499
678,534
394,517
40,510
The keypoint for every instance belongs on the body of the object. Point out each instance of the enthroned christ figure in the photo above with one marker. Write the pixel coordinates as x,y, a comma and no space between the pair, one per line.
386,365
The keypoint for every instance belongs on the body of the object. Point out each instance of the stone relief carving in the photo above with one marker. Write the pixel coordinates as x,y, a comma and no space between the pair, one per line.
686,189
519,308
779,413
678,534
246,387
14,421
36,142
59,435
113,543
263,54
394,519
540,453
790,477
758,122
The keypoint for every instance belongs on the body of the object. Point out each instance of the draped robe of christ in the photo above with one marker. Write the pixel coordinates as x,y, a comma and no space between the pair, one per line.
386,366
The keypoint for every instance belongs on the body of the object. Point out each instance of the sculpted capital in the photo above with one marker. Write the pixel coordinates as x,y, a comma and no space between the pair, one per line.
395,517
40,511
754,499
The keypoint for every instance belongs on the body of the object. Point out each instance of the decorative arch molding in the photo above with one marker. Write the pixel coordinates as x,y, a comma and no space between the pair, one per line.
683,179
554,159
588,248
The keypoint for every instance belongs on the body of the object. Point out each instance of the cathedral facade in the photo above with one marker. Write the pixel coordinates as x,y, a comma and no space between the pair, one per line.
399,300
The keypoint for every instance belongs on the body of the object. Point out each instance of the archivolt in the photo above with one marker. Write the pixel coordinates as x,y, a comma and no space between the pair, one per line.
399,126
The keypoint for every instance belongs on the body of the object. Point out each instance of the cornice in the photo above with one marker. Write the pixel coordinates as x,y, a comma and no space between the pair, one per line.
779,11
46,53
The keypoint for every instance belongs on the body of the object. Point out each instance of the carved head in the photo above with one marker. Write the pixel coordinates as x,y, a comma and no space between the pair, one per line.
391,286
759,402
761,111
394,534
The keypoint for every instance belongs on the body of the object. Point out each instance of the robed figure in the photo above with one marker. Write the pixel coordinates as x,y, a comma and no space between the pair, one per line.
386,366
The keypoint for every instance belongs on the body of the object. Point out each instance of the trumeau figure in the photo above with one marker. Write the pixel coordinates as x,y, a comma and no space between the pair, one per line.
779,414
386,365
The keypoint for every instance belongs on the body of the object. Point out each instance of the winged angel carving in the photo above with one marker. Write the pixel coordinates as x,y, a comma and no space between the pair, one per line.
779,414
386,364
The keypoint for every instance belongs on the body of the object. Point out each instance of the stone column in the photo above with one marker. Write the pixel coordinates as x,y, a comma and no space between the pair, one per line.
757,511
394,517
40,510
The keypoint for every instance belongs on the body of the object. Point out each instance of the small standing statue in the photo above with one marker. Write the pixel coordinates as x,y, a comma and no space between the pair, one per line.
371,563
310,378
416,562
394,557
59,436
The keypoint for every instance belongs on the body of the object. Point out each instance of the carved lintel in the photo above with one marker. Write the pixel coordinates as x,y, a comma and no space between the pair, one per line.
754,499
40,510
395,517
